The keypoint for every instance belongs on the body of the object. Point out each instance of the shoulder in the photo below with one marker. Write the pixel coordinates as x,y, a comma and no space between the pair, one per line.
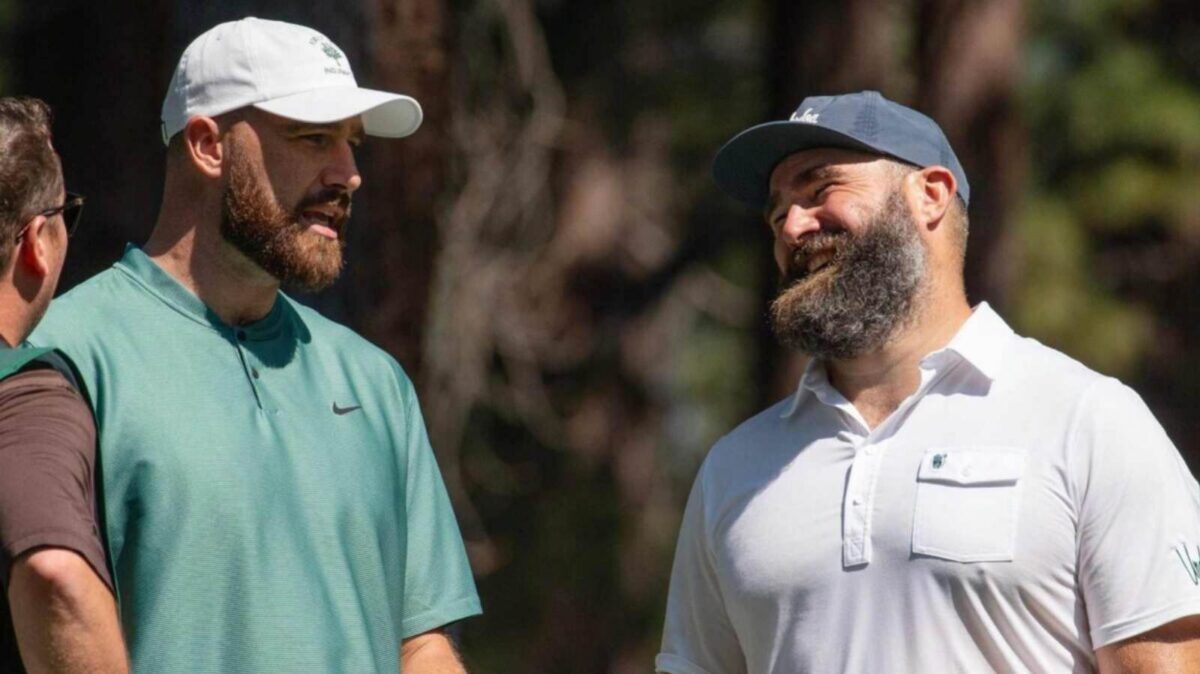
344,344
1050,379
60,364
1035,362
1104,422
77,325
758,434
37,399
99,299
1085,409
35,379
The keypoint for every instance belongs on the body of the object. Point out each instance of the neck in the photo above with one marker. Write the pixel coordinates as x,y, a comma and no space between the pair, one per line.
17,316
12,333
188,245
23,300
876,383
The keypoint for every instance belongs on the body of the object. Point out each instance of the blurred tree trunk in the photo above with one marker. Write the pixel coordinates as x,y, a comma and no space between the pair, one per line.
968,58
392,256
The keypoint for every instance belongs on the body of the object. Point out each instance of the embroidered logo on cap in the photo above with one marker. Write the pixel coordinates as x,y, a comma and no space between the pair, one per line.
808,116
330,50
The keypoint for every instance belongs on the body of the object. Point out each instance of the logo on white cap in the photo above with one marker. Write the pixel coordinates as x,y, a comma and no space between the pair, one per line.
808,116
330,49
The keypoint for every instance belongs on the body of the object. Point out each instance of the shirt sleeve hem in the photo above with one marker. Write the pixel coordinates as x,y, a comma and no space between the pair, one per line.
84,546
669,663
439,616
1124,629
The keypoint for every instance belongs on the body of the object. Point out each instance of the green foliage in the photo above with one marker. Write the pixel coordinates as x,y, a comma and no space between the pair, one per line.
1115,145
714,391
1058,301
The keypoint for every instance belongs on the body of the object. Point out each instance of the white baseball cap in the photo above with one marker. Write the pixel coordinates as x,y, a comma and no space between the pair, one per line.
287,70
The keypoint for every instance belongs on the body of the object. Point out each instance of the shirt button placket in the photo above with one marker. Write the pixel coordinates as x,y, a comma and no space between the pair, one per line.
856,525
248,368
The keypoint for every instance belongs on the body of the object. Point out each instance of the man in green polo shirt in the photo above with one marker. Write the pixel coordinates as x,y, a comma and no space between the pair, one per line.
272,501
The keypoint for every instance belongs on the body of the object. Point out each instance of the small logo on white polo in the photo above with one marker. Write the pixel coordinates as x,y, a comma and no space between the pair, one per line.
808,116
1192,566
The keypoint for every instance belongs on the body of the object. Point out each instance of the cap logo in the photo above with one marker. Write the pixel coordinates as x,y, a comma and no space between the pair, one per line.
808,116
330,50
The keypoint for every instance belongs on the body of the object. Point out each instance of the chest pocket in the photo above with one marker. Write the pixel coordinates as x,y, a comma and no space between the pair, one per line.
967,503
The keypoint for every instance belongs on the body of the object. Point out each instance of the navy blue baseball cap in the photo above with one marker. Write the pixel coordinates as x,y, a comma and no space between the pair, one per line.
864,121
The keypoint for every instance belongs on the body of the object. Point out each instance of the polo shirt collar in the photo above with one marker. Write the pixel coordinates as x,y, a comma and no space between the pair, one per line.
981,342
162,285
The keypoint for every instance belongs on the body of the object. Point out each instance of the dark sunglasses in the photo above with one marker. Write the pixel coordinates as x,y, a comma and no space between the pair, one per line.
71,209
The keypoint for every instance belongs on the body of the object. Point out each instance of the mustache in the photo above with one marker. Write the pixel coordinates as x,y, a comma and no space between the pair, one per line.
329,196
797,264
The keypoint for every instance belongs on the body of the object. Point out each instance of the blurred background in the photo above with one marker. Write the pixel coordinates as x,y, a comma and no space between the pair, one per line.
583,313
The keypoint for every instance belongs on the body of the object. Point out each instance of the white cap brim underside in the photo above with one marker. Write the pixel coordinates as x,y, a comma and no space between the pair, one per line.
384,114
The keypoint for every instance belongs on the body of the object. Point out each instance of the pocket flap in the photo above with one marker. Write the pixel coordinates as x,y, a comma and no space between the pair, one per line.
977,465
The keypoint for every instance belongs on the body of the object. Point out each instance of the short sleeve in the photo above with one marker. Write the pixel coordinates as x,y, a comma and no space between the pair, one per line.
47,453
1139,518
438,586
697,637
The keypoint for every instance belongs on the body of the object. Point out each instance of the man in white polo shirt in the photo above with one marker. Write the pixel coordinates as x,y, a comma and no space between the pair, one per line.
940,494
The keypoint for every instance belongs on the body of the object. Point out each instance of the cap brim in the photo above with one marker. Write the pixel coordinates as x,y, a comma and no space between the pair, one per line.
742,167
384,114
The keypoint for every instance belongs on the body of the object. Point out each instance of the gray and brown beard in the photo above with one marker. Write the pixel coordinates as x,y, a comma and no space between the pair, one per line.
256,224
866,294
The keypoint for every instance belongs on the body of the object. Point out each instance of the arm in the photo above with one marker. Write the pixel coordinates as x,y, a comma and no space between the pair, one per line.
52,562
697,633
1138,522
438,588
64,616
1173,648
430,653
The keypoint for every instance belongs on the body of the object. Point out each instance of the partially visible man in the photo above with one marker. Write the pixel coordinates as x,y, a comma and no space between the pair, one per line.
940,494
272,501
57,613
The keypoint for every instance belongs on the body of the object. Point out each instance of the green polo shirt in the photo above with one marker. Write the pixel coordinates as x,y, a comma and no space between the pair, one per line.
272,501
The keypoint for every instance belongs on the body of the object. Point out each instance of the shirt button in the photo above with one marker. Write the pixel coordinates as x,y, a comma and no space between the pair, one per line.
241,335
254,372
856,500
870,451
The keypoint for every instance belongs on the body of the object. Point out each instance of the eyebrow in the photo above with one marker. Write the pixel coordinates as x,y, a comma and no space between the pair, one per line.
818,173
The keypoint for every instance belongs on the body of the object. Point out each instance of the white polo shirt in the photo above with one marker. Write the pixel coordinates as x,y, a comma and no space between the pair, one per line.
1015,513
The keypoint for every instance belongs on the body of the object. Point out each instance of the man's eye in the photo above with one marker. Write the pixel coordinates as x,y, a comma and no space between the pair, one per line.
315,138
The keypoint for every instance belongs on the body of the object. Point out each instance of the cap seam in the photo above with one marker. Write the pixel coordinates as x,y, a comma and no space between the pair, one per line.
252,58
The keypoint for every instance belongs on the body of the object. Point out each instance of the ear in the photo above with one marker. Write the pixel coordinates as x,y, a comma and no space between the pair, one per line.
936,190
33,254
202,142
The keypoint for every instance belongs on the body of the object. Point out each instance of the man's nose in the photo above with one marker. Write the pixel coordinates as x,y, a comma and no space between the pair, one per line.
343,170
799,221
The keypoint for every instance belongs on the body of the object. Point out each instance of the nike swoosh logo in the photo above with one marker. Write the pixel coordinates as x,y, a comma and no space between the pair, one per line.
345,410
